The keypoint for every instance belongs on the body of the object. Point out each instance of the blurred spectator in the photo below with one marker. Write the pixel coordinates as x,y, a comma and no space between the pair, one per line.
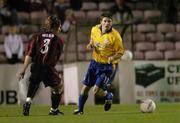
4,16
64,13
1,15
19,5
7,14
38,5
169,9
121,12
58,8
27,5
14,17
69,20
13,46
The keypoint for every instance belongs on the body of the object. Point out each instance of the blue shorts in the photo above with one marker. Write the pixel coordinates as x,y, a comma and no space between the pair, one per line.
113,74
99,74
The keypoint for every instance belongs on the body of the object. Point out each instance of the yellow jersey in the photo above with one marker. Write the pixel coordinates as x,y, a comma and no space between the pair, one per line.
105,45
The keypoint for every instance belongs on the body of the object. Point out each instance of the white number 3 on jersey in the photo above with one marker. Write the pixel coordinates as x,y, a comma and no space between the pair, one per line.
45,48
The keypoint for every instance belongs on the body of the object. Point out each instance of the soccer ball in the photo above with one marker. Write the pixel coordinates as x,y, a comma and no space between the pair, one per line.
127,56
147,106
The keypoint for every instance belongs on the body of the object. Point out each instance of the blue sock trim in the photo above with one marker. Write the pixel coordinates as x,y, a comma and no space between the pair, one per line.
109,96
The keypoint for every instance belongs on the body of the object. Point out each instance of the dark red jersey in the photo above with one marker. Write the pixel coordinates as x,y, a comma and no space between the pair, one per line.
45,48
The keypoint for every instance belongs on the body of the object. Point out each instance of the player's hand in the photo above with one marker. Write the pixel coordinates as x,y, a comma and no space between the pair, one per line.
20,75
89,46
110,59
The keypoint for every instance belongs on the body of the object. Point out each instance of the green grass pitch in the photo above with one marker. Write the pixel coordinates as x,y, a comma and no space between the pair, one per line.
165,113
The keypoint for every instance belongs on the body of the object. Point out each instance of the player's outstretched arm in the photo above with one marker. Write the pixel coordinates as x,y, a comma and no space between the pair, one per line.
27,61
90,45
115,57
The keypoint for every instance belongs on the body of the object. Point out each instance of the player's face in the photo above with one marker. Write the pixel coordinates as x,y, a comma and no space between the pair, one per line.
106,23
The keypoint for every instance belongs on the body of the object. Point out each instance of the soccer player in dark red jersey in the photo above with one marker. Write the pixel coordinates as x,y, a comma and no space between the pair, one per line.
43,52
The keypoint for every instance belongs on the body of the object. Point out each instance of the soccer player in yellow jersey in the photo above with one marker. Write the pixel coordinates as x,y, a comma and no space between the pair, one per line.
107,46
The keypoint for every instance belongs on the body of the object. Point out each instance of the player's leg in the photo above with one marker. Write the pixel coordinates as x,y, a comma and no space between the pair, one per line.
34,81
108,101
56,93
82,99
88,82
104,79
52,78
32,89
108,96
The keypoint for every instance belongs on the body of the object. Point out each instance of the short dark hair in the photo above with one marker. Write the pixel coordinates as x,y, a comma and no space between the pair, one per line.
105,14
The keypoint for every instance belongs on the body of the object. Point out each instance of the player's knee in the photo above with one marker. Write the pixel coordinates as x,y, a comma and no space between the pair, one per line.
85,90
95,91
56,91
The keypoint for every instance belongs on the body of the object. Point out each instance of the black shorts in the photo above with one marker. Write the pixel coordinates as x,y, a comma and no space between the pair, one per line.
46,74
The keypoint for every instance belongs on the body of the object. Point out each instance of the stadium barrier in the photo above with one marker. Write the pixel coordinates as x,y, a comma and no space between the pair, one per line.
135,80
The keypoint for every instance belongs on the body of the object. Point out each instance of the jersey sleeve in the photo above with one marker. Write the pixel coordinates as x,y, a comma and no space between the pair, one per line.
31,47
91,34
118,44
61,45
